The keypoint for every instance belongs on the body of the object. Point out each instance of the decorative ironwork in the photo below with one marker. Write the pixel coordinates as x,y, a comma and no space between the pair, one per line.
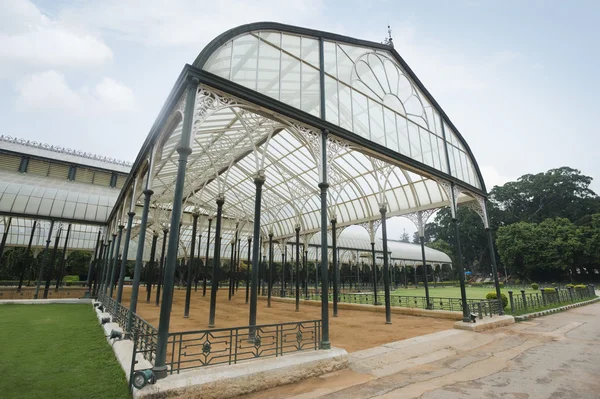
478,206
194,349
63,150
420,218
371,227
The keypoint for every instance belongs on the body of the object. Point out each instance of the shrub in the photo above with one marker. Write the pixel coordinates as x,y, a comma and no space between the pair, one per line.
554,284
517,281
549,290
492,295
71,279
570,286
581,287
535,286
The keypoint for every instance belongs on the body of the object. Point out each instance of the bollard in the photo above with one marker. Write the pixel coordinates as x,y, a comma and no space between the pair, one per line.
512,302
570,293
479,310
557,296
524,299
543,297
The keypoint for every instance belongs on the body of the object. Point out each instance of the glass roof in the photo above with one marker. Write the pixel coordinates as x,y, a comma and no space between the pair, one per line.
46,197
367,92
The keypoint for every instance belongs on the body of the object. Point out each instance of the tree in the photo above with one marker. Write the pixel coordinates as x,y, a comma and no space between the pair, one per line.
562,192
544,251
405,237
77,263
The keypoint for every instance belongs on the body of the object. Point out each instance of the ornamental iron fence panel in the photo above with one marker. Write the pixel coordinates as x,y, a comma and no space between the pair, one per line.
195,349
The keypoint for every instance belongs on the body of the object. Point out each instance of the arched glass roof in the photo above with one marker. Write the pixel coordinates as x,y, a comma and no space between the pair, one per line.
265,93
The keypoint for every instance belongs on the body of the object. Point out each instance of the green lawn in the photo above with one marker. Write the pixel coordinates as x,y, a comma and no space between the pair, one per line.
454,292
56,351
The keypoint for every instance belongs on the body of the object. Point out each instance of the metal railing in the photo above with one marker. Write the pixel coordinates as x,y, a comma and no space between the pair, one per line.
196,349
547,297
143,333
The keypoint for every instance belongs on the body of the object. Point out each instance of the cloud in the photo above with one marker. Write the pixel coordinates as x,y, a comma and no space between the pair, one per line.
31,39
185,22
493,178
49,91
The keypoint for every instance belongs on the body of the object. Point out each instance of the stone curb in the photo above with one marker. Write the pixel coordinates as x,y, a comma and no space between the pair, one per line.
555,310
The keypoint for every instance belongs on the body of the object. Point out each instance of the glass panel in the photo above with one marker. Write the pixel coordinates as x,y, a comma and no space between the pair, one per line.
268,70
290,80
329,52
344,66
310,51
404,142
219,62
291,44
244,63
442,153
426,146
345,109
376,123
391,133
415,143
360,116
310,94
331,100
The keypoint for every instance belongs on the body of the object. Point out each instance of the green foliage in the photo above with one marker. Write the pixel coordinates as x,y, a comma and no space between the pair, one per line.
549,290
517,281
492,295
535,286
581,287
570,286
71,278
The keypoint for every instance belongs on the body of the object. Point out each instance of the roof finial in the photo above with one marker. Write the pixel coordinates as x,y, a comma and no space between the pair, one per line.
388,40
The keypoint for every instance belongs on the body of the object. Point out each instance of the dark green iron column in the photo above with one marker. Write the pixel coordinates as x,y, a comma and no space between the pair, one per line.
98,269
284,259
161,267
386,266
184,150
39,282
109,272
493,261
336,271
305,260
237,262
206,261
92,261
231,269
248,271
297,229
270,282
325,343
27,261
197,269
105,267
216,263
188,288
130,216
259,180
151,267
64,255
139,257
461,270
52,261
374,269
405,276
5,236
113,271
422,241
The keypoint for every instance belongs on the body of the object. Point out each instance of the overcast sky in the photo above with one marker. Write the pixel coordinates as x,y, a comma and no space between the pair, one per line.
518,78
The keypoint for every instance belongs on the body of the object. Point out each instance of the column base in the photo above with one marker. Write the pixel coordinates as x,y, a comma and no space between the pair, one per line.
325,345
211,326
388,322
160,372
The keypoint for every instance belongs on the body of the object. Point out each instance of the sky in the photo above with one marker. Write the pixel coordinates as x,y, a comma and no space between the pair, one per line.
519,79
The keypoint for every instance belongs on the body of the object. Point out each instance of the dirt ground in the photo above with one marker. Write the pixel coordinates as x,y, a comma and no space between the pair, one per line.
352,330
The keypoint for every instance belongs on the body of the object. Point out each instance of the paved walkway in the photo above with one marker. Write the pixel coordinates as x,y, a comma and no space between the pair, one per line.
555,356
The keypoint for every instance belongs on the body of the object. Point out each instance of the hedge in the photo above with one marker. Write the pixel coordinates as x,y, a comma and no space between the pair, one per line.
492,295
535,286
